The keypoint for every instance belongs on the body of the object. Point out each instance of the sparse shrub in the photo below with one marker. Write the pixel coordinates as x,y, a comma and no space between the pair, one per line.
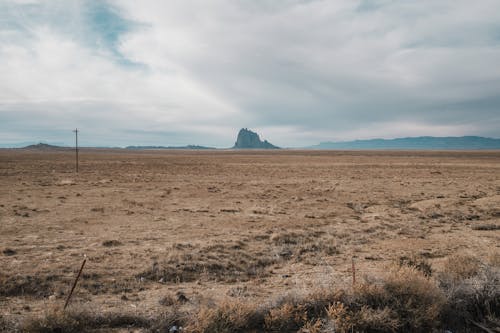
169,318
110,243
286,318
494,259
339,317
20,285
486,227
418,263
287,238
366,319
376,320
9,252
220,262
55,321
170,299
228,317
167,300
414,299
461,266
472,289
404,300
312,326
6,325
318,247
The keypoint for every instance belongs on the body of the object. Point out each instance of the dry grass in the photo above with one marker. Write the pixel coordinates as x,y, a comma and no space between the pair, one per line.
489,226
246,228
220,262
418,263
404,300
82,321
26,285
462,266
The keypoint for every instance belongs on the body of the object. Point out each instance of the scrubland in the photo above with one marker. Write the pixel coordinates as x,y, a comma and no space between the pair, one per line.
250,241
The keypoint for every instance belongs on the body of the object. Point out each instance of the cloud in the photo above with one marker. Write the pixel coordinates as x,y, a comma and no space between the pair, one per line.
300,72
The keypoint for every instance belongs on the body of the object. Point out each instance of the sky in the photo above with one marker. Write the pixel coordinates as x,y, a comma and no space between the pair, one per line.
299,72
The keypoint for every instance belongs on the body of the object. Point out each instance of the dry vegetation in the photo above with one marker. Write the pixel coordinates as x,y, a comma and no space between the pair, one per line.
250,241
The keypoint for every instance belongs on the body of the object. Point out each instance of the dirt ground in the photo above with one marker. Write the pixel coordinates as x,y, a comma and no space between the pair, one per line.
160,227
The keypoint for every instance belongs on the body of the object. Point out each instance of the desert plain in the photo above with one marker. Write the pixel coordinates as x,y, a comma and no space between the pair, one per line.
163,228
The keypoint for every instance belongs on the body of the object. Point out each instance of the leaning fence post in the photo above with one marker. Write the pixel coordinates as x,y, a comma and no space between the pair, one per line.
353,272
74,283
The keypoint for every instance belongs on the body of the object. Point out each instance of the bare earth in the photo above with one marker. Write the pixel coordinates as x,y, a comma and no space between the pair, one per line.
222,224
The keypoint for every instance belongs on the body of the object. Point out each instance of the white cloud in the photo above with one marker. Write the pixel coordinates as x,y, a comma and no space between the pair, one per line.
300,71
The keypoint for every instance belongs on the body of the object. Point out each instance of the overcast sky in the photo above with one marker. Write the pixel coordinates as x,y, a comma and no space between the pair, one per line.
298,72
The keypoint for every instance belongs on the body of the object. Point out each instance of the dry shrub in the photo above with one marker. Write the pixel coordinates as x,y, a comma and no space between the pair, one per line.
6,325
366,319
292,312
229,316
322,246
339,318
288,238
409,300
461,266
472,289
417,262
169,318
304,236
168,300
55,321
313,326
112,242
494,259
286,318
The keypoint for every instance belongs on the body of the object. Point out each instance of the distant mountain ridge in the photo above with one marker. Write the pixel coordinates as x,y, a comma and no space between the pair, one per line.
416,143
250,140
45,146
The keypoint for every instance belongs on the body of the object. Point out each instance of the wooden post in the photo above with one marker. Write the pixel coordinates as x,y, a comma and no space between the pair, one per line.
74,283
353,272
76,148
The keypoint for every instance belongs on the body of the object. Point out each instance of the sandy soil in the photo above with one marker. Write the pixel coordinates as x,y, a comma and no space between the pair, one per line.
222,224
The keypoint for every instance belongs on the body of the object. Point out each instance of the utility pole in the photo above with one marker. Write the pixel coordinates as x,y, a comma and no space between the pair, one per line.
76,148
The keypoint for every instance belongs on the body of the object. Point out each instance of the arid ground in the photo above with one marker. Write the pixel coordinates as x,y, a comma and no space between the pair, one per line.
199,227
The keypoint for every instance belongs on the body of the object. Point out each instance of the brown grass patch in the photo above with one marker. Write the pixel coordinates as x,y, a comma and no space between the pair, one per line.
489,226
221,262
82,321
26,285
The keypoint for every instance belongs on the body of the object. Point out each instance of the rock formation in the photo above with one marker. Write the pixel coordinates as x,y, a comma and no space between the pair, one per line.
250,140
